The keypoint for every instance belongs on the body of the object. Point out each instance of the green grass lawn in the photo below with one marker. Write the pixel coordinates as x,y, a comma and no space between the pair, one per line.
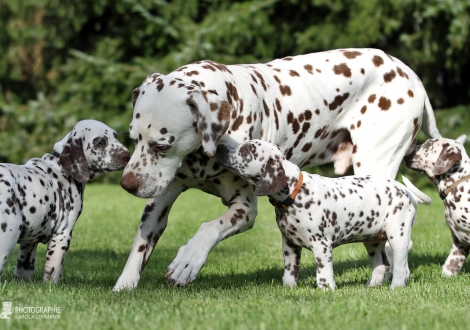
240,287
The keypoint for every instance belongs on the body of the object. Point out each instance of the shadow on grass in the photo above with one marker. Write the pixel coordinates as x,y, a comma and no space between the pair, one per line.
100,269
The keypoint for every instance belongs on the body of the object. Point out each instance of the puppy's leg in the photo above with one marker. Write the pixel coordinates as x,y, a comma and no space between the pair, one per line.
456,258
26,260
292,255
323,252
56,250
8,239
378,267
389,254
399,235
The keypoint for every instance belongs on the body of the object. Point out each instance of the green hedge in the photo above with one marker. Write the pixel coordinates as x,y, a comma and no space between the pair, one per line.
66,61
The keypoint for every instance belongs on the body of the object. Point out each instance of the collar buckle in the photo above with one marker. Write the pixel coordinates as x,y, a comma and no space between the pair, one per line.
289,200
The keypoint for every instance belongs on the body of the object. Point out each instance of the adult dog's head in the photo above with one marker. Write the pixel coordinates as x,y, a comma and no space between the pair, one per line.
171,119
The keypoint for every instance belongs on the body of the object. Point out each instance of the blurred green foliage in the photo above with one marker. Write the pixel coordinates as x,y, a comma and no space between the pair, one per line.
63,61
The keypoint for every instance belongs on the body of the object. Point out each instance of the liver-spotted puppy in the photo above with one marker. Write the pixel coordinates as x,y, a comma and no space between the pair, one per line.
446,163
358,107
41,200
321,213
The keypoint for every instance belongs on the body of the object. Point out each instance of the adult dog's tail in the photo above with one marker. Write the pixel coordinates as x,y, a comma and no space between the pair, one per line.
417,194
429,126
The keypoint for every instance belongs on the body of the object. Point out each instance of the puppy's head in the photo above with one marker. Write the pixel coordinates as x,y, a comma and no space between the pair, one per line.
434,158
258,162
91,148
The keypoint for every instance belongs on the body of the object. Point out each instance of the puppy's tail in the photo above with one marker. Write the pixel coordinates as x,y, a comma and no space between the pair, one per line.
420,197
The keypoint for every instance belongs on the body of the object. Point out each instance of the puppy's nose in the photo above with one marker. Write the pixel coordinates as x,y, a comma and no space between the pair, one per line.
221,152
125,156
130,183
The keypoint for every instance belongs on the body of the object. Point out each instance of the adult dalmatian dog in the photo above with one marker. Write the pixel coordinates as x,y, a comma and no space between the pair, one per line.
446,163
320,213
41,200
358,107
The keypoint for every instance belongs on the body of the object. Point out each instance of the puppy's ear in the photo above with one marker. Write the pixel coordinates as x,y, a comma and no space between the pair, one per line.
449,157
273,178
212,115
73,159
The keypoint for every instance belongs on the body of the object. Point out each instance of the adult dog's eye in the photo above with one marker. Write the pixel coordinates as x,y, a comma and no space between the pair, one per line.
100,142
158,148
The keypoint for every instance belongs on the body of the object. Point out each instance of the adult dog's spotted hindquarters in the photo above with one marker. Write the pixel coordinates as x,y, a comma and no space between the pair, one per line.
356,107
41,200
446,163
321,213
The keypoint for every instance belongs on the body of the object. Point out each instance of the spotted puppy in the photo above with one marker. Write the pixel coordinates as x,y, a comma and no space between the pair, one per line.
321,213
41,200
447,165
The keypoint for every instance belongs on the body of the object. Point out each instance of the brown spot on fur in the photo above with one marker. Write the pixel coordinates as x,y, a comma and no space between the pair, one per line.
377,60
364,109
410,93
306,147
352,55
389,76
342,69
371,98
400,101
294,73
338,101
400,72
309,68
237,123
416,126
384,103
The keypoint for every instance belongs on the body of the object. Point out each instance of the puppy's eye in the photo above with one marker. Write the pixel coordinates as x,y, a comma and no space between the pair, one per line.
244,151
100,142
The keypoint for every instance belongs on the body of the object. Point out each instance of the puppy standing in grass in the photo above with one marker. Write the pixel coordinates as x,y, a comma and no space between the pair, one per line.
41,200
321,213
446,163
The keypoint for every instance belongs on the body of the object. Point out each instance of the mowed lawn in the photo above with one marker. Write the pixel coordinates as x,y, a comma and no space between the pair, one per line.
240,286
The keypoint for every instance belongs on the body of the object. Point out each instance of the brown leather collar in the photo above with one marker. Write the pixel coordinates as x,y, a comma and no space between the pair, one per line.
443,194
289,200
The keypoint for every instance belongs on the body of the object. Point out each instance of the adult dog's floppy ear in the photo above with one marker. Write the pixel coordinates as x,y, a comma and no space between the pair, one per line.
449,157
273,178
73,159
212,115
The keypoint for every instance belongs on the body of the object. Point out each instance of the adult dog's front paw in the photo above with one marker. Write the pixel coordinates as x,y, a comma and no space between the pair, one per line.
187,264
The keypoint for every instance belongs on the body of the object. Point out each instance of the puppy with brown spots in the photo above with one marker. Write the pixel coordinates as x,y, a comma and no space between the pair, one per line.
41,200
446,163
321,213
